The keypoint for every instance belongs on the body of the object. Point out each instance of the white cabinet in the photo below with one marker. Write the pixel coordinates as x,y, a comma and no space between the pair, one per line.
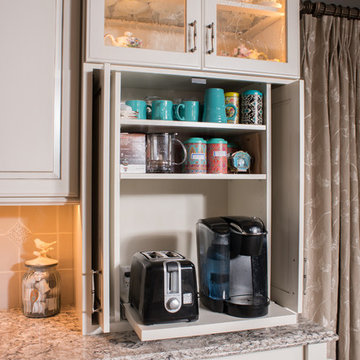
241,36
39,97
163,33
125,213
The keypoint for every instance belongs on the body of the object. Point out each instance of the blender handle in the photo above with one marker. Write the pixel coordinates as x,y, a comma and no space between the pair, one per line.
184,149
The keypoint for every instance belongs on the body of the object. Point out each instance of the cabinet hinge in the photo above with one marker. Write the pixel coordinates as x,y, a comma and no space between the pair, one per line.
96,303
305,276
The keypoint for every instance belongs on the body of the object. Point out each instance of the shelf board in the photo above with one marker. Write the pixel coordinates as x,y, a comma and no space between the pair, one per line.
187,127
209,323
164,176
253,9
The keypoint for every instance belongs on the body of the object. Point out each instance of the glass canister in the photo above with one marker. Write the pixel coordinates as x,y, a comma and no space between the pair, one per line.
41,285
196,156
252,107
217,156
232,98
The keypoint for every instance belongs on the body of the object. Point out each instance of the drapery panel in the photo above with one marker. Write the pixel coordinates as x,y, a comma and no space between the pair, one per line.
330,69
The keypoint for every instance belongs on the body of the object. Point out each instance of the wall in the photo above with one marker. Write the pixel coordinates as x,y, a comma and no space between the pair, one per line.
19,226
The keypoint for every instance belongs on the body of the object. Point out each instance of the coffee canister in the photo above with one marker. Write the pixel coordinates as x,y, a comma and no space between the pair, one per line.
251,107
217,156
196,156
232,98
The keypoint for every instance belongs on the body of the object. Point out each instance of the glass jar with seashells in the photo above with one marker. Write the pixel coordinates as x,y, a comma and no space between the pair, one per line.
41,284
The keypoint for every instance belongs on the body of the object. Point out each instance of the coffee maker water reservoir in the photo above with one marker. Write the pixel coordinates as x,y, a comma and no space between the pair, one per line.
232,257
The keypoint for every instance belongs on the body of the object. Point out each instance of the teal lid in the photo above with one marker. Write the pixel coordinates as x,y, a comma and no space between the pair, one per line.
232,145
217,141
252,92
195,140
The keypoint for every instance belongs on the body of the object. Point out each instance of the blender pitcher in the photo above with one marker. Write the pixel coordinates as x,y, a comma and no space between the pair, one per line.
160,153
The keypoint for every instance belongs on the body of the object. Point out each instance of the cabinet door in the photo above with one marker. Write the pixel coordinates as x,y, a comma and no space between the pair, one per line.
144,32
100,198
287,195
39,95
252,36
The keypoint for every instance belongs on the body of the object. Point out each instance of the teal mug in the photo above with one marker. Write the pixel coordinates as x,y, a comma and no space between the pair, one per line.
214,106
187,111
139,106
162,110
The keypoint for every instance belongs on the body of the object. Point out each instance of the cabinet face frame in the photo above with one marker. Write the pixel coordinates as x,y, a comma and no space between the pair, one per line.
115,77
96,51
259,67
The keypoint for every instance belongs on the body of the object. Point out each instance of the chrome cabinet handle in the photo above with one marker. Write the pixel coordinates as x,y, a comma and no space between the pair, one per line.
193,25
211,26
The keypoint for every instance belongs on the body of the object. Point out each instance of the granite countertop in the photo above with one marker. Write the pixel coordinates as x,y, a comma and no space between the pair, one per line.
60,338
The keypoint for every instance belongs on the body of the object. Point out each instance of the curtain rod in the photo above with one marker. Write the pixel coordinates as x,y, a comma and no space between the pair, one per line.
319,9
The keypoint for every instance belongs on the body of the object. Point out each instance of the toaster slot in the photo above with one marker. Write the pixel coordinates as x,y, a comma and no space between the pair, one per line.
173,277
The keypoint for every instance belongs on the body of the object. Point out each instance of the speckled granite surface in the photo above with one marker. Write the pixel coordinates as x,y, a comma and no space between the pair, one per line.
59,338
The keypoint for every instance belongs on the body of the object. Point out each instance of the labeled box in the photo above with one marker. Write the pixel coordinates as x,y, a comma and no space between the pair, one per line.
132,153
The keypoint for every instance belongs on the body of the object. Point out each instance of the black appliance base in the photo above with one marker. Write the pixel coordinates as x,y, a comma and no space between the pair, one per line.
240,306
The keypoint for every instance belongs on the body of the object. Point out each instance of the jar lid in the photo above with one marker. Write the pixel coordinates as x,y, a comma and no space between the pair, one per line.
195,140
252,92
231,94
217,141
42,260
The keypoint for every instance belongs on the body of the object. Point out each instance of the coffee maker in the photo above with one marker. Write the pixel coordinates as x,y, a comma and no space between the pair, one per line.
232,257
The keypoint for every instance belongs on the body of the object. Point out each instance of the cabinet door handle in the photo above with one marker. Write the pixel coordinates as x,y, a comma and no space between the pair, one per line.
193,25
212,36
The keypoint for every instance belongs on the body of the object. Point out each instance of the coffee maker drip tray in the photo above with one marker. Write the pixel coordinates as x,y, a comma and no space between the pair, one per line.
247,306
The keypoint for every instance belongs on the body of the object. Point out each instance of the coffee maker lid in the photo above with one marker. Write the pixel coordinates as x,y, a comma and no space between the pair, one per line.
216,224
247,225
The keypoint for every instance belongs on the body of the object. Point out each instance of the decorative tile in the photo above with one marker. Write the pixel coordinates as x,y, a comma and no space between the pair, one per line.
19,233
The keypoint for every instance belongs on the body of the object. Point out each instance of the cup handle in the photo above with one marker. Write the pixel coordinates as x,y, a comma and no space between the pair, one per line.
235,111
184,149
177,112
148,111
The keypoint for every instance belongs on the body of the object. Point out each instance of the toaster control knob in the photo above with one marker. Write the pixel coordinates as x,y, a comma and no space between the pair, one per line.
173,304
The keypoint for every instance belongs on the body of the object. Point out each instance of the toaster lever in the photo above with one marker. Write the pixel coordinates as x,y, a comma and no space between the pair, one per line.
172,284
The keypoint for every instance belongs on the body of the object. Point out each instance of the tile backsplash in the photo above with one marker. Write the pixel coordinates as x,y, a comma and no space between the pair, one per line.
19,226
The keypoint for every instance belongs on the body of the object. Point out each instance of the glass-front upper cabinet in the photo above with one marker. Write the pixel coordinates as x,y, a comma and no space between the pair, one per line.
253,36
144,32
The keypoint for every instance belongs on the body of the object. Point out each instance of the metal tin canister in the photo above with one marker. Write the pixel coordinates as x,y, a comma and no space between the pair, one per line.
251,107
196,156
232,98
217,156
231,148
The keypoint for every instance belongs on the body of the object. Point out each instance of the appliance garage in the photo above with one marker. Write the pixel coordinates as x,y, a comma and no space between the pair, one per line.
192,172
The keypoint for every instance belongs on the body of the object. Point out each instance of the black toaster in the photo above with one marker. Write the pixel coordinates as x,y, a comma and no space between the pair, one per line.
163,287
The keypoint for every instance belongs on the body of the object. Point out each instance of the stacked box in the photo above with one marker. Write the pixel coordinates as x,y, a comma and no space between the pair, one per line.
132,153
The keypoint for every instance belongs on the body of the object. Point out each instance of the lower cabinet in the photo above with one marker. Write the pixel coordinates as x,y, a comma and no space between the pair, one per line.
306,352
39,97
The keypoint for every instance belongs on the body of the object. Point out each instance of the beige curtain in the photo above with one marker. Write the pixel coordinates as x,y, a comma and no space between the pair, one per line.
330,69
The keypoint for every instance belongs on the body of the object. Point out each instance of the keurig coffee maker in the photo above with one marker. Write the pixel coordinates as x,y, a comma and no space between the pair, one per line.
232,257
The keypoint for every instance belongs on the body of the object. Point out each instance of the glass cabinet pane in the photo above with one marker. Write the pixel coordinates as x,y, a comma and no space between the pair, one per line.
146,24
252,29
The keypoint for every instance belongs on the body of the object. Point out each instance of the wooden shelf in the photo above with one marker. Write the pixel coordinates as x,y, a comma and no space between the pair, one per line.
125,176
188,127
209,323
